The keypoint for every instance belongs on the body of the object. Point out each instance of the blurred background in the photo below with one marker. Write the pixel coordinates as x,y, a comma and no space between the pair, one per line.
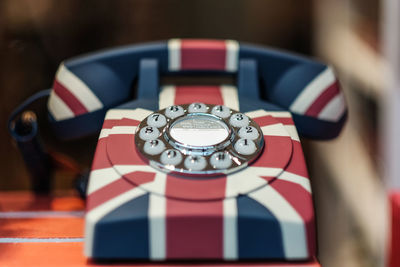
36,35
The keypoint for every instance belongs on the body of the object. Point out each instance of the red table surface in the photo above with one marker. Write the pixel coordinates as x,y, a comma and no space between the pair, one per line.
48,231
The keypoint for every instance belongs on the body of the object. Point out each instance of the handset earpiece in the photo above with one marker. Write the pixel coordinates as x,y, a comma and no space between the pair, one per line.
311,92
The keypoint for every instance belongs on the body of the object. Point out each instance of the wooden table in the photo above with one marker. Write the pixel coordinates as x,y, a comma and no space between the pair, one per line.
48,231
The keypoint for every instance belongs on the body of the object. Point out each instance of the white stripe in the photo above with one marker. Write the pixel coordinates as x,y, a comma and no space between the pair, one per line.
57,108
262,113
100,178
230,96
312,91
276,129
40,214
104,133
135,114
248,179
232,54
40,240
124,169
167,96
156,186
117,130
78,88
157,238
334,110
291,129
123,130
297,179
93,216
174,55
264,171
230,229
292,225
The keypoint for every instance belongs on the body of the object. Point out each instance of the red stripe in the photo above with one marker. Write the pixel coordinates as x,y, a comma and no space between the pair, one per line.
192,189
276,154
203,94
265,120
194,229
108,192
297,163
100,160
203,55
121,150
285,121
69,99
269,120
139,177
323,99
269,179
301,201
108,124
118,187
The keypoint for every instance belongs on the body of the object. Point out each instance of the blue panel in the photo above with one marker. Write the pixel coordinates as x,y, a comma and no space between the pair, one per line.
123,60
248,79
318,129
104,82
90,123
284,76
293,82
80,126
148,84
123,233
259,232
110,74
150,104
249,104
271,63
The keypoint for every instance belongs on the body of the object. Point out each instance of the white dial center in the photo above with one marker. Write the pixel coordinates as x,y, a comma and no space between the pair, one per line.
199,130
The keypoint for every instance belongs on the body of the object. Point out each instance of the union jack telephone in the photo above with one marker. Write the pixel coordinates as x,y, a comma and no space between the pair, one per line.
198,172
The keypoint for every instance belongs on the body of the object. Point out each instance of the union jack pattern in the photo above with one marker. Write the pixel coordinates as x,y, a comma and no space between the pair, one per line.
70,96
203,55
264,211
321,98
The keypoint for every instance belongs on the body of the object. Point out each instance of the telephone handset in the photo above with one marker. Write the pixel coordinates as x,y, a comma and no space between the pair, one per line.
86,87
209,172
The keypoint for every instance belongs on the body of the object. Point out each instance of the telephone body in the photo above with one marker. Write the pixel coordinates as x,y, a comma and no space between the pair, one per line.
226,203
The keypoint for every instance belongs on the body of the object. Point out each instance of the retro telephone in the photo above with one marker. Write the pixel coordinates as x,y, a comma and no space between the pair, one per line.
198,172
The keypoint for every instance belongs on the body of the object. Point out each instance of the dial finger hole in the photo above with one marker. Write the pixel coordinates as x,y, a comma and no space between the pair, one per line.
195,163
156,120
245,146
221,111
221,160
149,133
249,132
171,157
197,107
174,111
239,120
